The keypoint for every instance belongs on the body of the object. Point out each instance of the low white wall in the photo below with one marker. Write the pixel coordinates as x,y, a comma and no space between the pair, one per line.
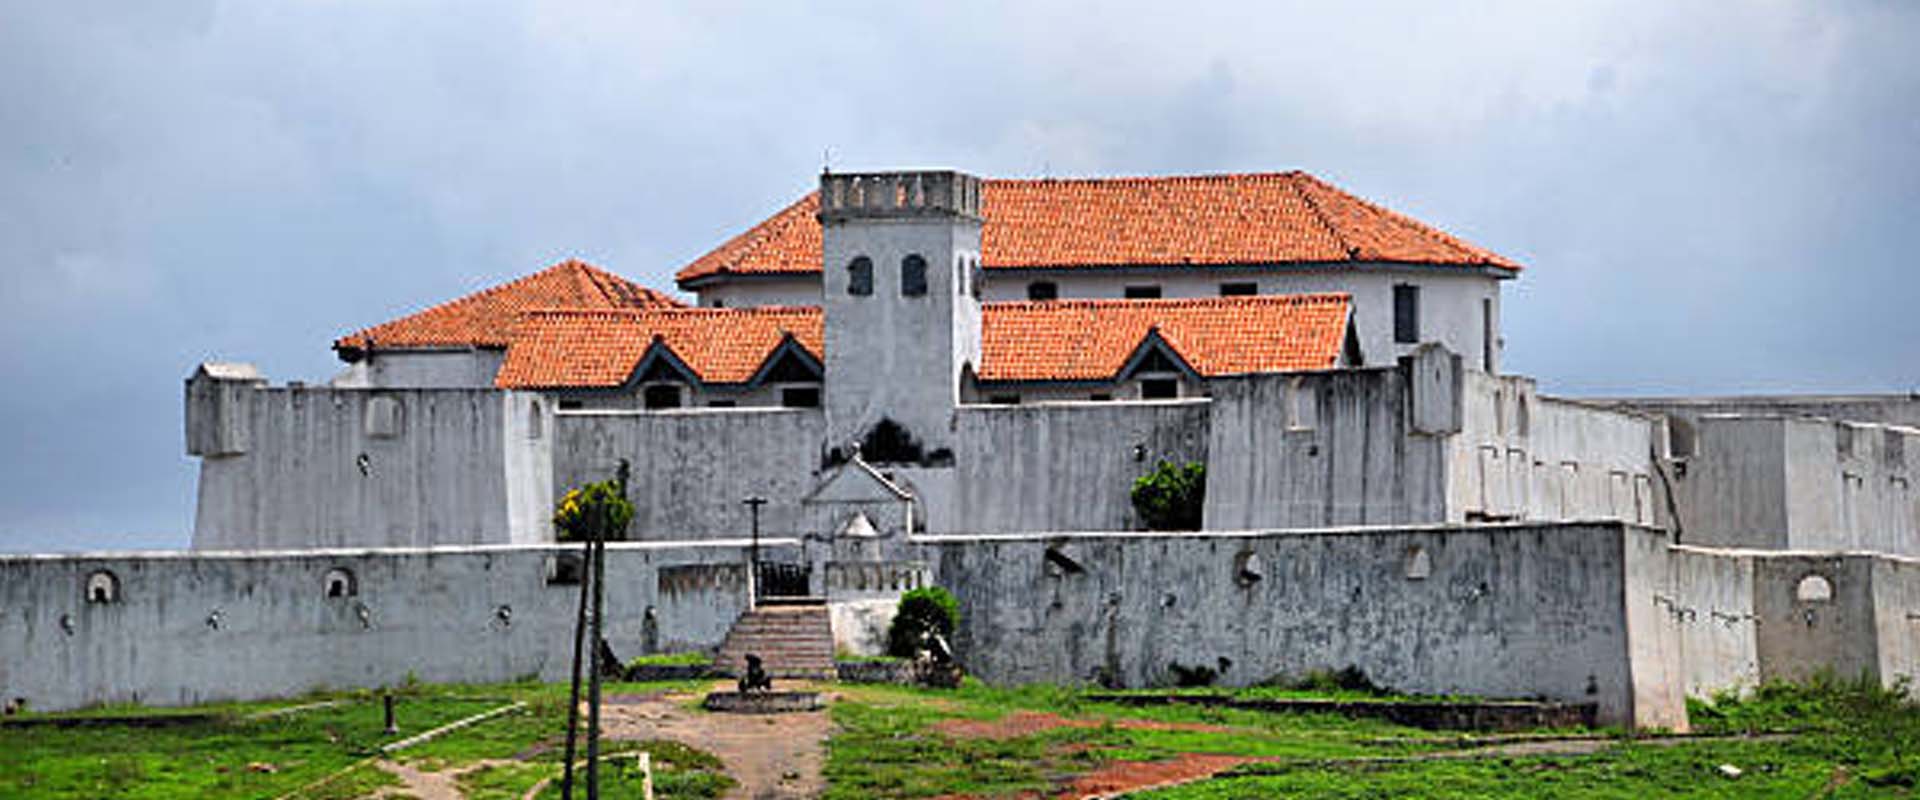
1712,607
193,628
1521,455
1498,611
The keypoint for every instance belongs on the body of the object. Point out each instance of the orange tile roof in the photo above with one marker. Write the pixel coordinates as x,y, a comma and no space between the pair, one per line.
1065,340
1091,340
1261,218
570,348
485,318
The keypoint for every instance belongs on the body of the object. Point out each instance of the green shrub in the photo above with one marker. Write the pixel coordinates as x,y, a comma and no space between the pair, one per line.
930,610
1171,498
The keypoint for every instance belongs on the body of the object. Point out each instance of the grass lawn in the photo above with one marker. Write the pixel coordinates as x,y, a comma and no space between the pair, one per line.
238,756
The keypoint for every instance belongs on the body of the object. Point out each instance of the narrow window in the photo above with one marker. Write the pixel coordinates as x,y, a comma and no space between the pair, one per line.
1005,400
572,405
800,397
1487,340
979,278
661,396
1043,290
721,404
1239,289
860,277
1406,314
913,276
1160,389
1100,397
1143,292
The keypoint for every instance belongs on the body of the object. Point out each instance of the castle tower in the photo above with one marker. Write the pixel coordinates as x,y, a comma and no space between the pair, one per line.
901,253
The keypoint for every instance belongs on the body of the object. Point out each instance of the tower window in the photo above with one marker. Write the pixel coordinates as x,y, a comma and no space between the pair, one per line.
1243,289
913,276
1406,314
1043,290
860,277
800,397
1143,292
661,396
1160,389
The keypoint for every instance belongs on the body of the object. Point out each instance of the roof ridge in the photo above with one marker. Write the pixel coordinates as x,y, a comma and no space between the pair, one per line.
1320,214
1417,227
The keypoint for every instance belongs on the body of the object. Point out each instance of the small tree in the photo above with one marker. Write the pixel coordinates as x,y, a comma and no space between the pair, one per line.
923,612
595,507
1171,498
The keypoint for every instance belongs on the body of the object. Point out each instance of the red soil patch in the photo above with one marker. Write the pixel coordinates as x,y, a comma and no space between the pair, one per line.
1027,723
1121,777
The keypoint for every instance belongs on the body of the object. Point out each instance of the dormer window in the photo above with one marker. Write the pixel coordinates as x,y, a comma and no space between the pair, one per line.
1043,290
860,277
661,395
913,276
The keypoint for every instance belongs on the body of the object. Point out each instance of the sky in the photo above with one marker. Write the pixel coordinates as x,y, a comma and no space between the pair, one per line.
1709,197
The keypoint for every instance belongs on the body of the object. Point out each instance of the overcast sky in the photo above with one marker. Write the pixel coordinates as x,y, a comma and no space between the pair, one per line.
1708,196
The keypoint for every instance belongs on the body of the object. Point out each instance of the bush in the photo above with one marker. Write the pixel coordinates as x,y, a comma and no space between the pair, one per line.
922,612
600,507
1171,498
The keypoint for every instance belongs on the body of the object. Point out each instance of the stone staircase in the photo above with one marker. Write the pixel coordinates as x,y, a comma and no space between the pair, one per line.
793,638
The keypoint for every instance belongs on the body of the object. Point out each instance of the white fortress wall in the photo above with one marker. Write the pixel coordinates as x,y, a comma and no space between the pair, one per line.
1325,448
1498,611
1800,483
450,368
1522,455
303,467
1712,606
184,628
1067,466
692,468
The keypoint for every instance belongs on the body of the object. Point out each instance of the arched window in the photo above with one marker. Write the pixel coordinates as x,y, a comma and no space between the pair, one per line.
860,277
340,583
913,276
103,587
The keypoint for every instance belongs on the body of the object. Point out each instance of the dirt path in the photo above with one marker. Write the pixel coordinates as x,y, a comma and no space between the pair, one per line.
773,756
417,783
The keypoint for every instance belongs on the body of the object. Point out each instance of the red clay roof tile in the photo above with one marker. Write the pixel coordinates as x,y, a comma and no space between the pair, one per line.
1262,218
570,348
1091,340
485,318
1066,340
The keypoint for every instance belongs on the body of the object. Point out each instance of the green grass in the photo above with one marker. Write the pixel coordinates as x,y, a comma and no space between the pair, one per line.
236,756
690,658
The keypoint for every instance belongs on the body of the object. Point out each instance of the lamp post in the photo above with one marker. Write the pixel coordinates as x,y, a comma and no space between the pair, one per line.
753,505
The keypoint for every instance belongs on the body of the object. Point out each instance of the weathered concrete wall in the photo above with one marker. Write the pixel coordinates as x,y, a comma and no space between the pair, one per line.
327,467
1802,632
1524,456
1896,614
770,290
692,468
1885,409
1801,484
191,628
1064,467
1712,607
466,368
1499,611
1321,449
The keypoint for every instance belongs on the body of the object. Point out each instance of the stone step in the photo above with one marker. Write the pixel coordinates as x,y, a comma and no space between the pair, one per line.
792,641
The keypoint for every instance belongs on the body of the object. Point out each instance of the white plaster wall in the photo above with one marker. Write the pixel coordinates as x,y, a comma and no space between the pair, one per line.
424,369
1712,607
1524,456
691,468
1507,611
1732,491
1896,611
892,356
798,290
1802,484
459,467
1065,467
1321,449
1798,638
432,614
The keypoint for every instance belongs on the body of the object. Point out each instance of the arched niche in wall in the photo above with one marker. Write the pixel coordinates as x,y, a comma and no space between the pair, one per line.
102,587
1417,565
1814,588
340,583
